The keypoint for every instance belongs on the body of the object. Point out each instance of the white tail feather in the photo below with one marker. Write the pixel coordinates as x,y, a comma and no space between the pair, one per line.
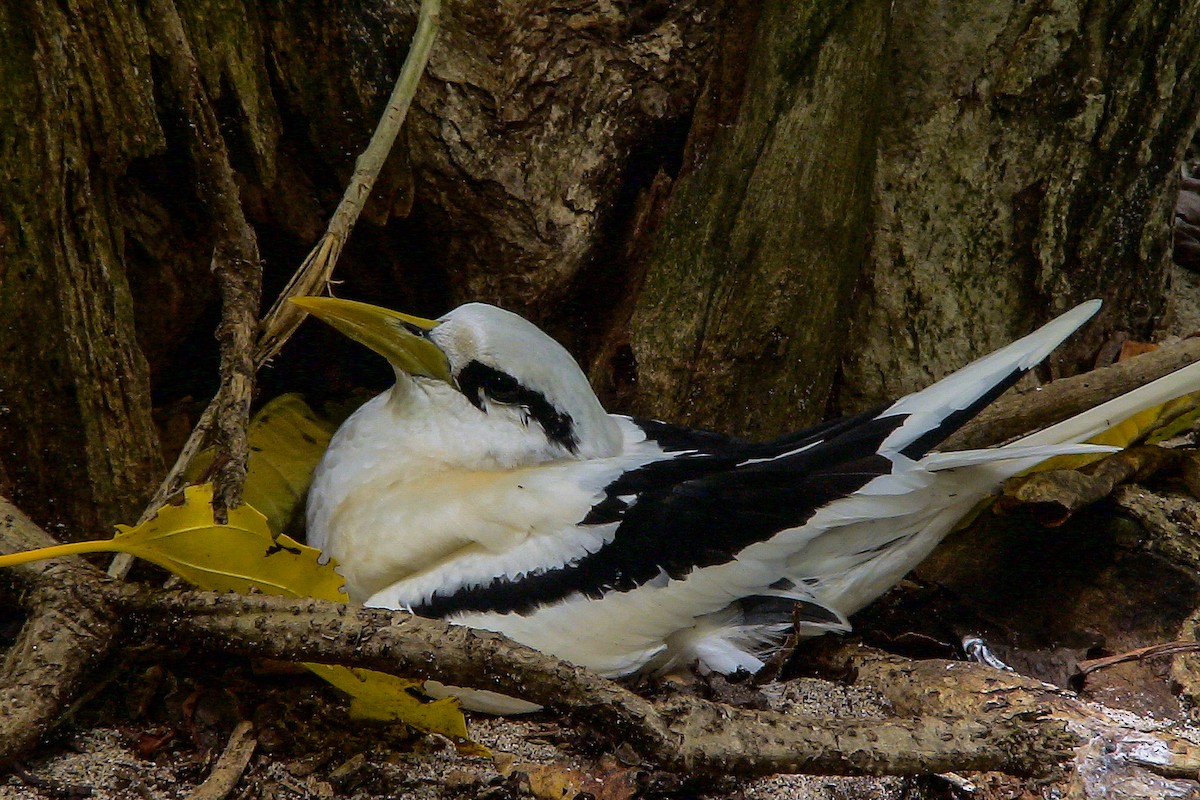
959,390
936,462
1104,416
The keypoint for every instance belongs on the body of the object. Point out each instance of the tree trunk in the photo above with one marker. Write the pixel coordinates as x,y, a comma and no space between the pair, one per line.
749,283
78,443
1028,160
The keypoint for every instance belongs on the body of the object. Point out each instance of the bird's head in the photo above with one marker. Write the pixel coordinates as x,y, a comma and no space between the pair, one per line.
496,368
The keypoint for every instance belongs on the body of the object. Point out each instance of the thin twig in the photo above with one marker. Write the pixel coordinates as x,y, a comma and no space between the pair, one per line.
314,274
229,767
235,260
1141,653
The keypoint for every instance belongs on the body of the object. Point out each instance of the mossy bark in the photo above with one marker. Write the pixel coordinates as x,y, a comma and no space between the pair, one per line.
1025,160
742,319
1028,160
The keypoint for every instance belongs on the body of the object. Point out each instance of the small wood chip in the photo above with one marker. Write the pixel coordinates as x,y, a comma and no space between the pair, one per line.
230,766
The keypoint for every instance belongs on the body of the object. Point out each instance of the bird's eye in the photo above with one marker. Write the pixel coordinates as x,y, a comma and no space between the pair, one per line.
510,395
482,383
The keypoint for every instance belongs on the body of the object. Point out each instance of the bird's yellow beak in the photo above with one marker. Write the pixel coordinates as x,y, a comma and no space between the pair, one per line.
395,336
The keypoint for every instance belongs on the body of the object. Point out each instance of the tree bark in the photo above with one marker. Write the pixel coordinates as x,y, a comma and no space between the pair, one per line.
76,437
71,629
521,130
1028,160
752,274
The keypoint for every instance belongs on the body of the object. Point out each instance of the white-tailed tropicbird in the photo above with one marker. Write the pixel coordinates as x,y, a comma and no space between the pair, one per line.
490,488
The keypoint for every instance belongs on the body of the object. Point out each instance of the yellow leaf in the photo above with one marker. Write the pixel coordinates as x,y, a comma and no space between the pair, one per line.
1146,425
1140,425
236,557
1175,427
386,698
287,439
241,556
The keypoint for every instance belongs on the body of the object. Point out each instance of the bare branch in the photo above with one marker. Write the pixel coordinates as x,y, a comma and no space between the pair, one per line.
1057,494
1018,413
235,261
683,734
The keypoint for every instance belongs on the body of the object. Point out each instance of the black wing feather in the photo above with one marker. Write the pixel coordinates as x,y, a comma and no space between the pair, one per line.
696,510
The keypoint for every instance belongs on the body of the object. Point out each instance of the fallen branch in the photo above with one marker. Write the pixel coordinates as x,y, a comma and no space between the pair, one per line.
1119,754
75,624
683,734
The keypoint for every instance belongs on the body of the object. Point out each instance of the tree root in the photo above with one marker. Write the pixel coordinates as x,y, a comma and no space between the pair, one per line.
72,627
74,624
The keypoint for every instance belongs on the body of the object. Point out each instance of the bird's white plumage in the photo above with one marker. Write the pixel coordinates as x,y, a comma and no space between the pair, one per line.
475,523
434,491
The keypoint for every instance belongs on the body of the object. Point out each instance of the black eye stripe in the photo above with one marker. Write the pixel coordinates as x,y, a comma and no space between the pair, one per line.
477,380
